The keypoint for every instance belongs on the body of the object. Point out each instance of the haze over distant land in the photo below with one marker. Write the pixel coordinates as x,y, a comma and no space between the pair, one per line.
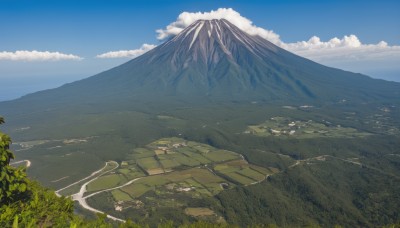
46,52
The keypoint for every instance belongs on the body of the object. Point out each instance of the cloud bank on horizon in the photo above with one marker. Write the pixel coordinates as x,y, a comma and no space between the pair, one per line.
37,56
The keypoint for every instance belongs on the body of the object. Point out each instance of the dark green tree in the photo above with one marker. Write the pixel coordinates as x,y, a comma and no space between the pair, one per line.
13,181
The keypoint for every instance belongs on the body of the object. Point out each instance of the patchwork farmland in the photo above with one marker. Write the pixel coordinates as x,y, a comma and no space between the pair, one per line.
171,171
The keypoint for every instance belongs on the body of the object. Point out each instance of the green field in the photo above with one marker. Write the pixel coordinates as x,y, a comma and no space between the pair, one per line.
196,180
104,182
284,126
136,190
168,154
148,163
141,153
120,195
221,155
240,172
201,180
169,163
248,172
238,178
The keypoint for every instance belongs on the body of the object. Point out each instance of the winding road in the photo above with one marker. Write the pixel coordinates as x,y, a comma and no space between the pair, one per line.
80,195
88,177
82,200
110,189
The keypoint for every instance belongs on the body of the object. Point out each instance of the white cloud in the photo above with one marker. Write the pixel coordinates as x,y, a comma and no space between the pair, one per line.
37,56
127,53
347,49
185,19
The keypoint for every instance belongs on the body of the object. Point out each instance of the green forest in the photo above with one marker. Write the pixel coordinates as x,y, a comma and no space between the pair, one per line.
25,203
300,195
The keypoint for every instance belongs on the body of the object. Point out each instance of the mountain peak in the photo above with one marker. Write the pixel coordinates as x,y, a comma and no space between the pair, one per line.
211,41
215,29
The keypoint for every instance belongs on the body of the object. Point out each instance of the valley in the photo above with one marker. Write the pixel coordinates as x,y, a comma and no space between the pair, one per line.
187,175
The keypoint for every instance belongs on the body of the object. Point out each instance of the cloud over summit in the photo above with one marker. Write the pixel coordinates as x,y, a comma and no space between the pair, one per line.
348,48
186,18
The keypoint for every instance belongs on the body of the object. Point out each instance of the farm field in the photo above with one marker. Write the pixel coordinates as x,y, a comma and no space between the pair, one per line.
172,173
108,181
168,154
197,181
302,129
199,211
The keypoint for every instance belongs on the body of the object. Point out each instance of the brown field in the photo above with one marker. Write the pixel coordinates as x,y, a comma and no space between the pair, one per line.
155,171
159,152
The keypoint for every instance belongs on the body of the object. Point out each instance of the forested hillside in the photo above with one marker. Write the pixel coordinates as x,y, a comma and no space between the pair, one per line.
25,203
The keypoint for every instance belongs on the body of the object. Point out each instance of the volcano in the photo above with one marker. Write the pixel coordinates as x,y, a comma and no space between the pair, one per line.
213,60
332,137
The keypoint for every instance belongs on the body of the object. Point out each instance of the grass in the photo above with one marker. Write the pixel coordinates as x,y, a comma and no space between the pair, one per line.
303,129
203,181
135,190
264,170
167,163
186,161
120,195
154,180
148,163
178,176
141,153
238,178
199,211
155,171
105,182
204,176
221,155
193,183
241,172
251,174
196,156
124,171
133,172
71,190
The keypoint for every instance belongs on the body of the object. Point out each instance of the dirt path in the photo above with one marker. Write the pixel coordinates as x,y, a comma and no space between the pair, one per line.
28,163
62,178
110,189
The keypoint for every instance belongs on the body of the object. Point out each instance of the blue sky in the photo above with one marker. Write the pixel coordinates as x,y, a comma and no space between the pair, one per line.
86,28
